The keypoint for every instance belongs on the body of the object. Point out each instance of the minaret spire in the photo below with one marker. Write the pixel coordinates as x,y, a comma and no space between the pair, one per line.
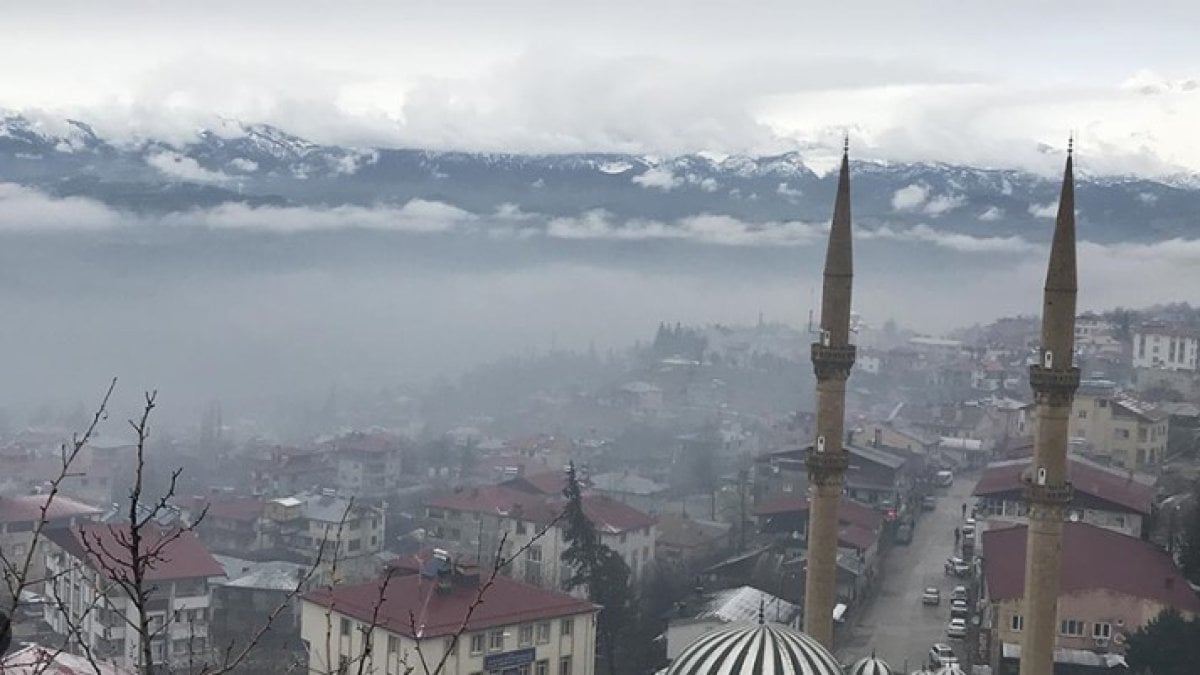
1054,381
832,357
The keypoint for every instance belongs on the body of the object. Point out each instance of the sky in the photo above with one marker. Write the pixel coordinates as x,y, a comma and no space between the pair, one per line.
988,84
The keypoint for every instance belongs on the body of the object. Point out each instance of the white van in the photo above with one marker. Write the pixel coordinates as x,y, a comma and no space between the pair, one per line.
945,478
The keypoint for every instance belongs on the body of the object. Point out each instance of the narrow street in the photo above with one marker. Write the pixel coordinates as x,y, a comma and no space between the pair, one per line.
895,625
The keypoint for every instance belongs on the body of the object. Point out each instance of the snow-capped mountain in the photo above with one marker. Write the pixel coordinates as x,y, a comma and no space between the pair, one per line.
260,164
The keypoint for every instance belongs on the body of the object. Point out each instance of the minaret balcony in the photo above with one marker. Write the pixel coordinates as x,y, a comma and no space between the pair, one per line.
1048,495
1054,386
826,467
833,361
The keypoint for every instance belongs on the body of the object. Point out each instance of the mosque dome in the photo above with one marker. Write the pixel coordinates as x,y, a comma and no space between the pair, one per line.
755,648
870,665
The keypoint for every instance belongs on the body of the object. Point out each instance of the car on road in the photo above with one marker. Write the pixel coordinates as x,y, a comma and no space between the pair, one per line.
968,528
959,593
944,478
957,567
931,596
941,654
957,628
958,609
928,503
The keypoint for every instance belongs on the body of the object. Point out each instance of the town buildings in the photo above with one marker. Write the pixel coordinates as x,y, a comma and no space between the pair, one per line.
472,521
1116,500
1115,427
1110,584
92,610
1158,345
515,627
19,518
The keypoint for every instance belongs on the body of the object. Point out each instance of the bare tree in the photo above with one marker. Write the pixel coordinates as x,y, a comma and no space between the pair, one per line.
124,555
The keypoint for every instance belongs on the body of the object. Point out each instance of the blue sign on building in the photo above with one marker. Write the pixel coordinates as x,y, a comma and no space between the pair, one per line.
511,659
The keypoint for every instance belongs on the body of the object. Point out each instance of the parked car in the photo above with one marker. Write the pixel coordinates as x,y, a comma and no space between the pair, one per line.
957,628
968,528
931,596
944,478
928,503
941,654
958,609
904,533
957,567
959,593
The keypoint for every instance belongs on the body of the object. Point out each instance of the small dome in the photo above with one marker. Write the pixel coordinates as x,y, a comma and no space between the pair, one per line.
755,649
870,665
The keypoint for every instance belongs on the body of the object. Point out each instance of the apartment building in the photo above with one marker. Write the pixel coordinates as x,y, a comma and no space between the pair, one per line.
516,629
1117,428
1164,346
19,518
85,561
472,521
1110,586
1114,499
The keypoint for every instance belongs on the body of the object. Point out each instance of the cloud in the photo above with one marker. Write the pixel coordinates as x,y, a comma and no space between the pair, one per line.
416,216
1047,210
243,165
706,229
787,191
992,213
176,165
943,203
909,197
658,177
23,209
963,243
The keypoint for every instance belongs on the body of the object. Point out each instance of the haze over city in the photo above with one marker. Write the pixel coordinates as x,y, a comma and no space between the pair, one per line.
478,242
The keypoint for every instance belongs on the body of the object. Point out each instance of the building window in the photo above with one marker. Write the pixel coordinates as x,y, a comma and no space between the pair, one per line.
477,643
542,667
1082,415
1016,623
564,666
393,645
1071,627
520,527
1142,434
345,627
496,641
568,625
1101,631
525,635
543,632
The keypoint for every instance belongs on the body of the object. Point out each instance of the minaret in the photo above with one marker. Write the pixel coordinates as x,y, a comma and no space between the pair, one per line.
832,357
1054,381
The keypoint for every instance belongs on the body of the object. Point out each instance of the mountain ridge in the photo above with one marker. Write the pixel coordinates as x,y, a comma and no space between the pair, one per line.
259,164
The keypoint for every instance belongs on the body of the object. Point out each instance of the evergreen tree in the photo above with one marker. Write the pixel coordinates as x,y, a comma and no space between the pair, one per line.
1189,552
1168,645
601,571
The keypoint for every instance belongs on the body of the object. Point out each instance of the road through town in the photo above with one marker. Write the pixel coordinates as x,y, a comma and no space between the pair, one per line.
895,625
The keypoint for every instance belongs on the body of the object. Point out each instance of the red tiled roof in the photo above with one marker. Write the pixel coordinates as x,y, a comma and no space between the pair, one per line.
613,517
546,482
185,557
1092,558
28,508
231,508
857,537
849,511
1104,484
437,614
608,515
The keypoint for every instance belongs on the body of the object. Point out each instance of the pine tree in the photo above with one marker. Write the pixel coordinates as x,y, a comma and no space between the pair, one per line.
600,570
1189,552
1168,645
